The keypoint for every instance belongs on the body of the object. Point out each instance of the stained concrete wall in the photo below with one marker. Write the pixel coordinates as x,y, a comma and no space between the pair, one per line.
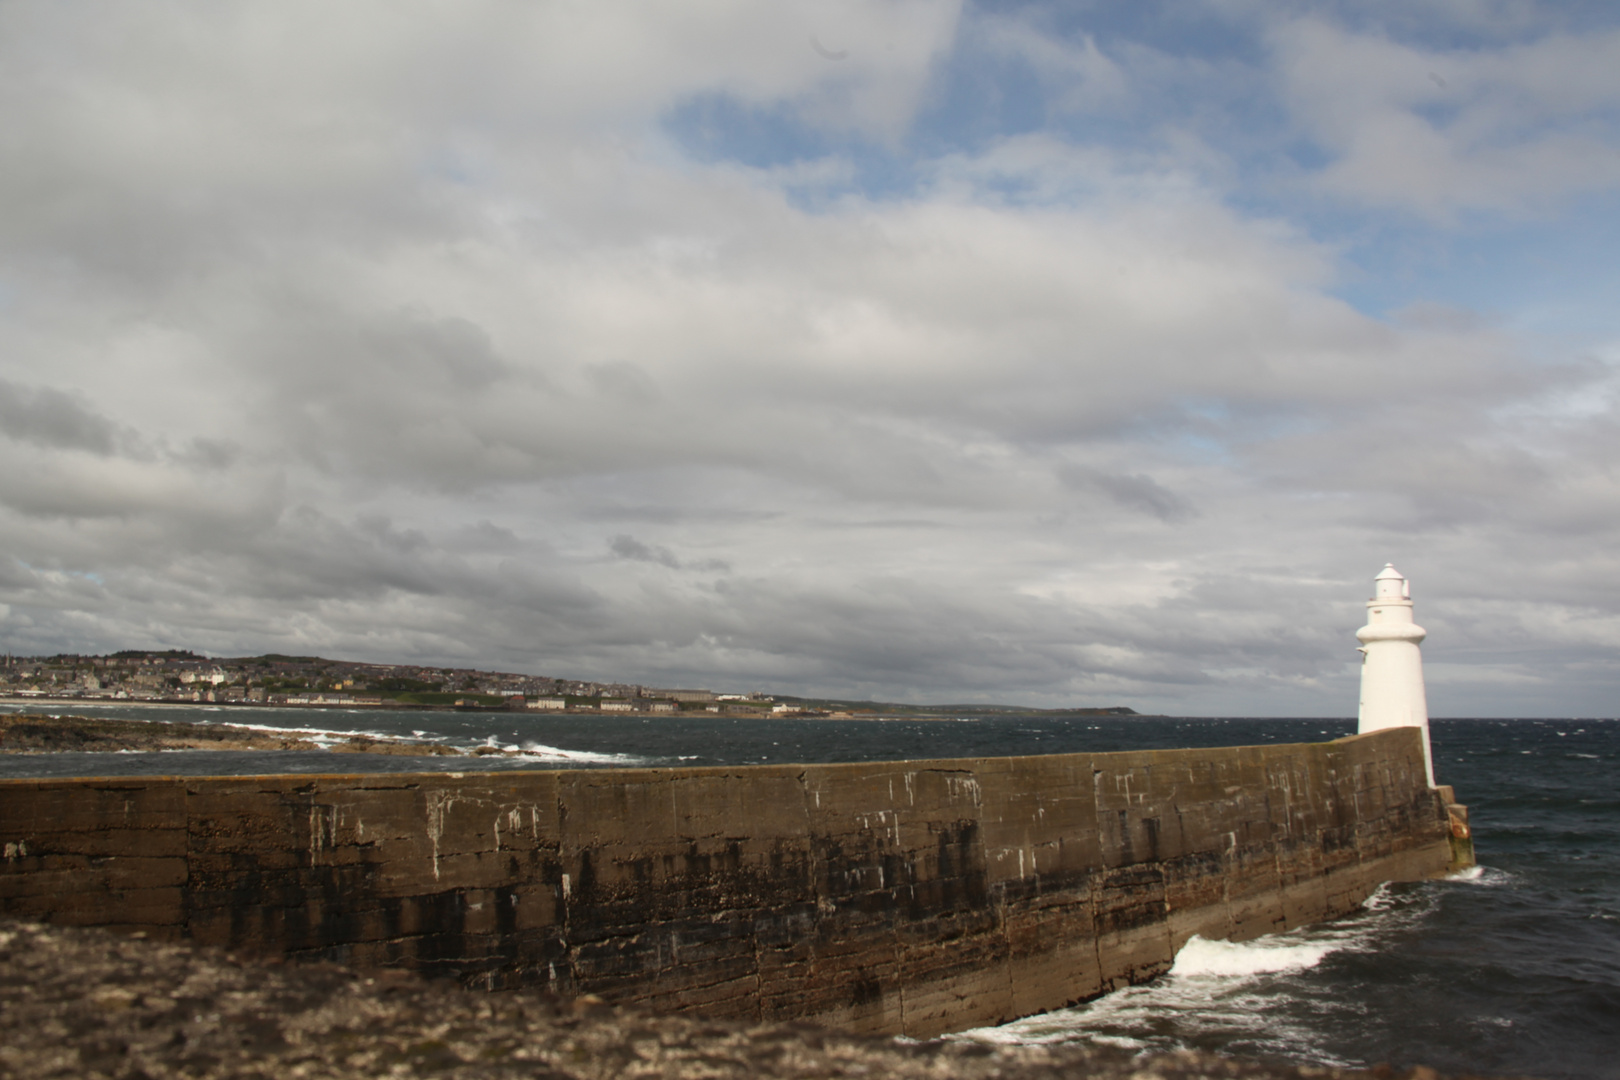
893,897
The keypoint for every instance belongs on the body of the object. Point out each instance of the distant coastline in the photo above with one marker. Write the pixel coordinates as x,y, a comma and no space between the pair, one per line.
180,677
877,711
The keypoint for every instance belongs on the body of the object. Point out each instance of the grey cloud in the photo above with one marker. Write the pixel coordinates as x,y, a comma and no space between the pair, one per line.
486,537
337,356
873,635
449,351
628,547
622,380
14,575
51,418
382,531
1136,491
206,453
366,586
375,588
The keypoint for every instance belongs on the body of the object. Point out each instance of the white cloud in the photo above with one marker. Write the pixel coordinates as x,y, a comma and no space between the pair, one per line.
1439,132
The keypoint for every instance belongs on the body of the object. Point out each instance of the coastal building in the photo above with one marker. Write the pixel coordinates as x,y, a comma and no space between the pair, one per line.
1392,693
682,695
214,676
549,703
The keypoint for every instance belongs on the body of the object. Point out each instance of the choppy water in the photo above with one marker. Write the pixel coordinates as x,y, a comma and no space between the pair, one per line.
1512,969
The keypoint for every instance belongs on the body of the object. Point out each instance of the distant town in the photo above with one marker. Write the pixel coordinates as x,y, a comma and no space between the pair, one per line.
177,676
182,677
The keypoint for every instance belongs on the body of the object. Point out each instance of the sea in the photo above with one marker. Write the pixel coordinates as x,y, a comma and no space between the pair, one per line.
1509,969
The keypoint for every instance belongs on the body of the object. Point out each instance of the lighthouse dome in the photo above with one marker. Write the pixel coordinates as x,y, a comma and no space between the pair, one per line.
1391,585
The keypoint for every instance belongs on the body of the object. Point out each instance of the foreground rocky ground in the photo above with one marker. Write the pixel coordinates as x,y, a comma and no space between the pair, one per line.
86,1003
34,734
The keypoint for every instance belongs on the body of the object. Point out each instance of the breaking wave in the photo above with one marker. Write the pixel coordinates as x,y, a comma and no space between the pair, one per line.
532,751
1245,996
1200,958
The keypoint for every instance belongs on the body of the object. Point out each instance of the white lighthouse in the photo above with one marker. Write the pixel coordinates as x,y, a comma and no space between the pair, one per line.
1392,664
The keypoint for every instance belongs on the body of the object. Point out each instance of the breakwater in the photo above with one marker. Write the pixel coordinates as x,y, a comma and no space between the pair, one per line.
896,897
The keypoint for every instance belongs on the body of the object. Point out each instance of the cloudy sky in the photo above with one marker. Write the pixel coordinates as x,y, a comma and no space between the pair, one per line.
1057,353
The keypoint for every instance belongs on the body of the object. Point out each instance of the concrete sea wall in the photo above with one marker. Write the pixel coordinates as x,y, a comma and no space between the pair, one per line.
894,897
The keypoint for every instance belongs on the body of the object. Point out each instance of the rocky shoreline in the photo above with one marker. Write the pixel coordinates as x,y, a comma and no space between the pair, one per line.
26,733
88,1003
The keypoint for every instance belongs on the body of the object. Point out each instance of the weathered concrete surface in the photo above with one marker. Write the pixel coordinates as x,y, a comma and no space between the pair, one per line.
84,1004
897,897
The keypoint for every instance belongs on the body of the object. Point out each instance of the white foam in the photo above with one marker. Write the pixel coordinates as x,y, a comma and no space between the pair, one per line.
1488,876
1163,1016
540,752
319,733
1381,899
1265,995
1201,958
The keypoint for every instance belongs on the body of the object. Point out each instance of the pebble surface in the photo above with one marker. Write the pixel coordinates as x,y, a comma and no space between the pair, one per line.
87,1003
